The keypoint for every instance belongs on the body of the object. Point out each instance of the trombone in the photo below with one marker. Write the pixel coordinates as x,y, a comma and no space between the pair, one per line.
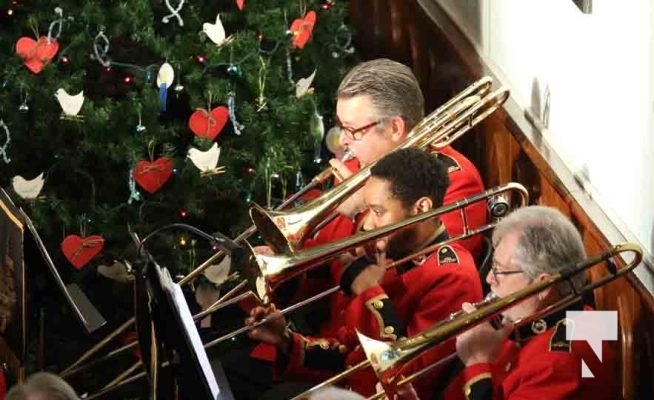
388,360
77,365
468,98
261,268
264,272
479,88
285,231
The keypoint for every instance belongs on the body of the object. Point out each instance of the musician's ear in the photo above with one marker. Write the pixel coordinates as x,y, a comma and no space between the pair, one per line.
398,128
423,204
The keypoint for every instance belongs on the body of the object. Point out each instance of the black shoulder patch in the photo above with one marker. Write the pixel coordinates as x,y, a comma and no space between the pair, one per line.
450,163
447,255
558,341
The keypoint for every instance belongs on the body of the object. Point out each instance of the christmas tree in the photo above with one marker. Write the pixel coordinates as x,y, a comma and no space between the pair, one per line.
147,113
138,114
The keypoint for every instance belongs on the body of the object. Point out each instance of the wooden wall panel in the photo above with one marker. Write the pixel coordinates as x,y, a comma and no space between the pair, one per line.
445,64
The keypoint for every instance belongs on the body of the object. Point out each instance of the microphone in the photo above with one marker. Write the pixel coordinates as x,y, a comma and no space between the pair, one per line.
217,239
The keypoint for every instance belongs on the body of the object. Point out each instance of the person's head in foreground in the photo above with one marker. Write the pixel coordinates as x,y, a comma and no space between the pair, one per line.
42,386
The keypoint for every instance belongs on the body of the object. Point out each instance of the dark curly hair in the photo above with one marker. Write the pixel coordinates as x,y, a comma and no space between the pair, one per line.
413,173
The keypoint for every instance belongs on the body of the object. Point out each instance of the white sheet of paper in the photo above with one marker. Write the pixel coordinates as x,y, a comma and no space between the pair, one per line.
192,331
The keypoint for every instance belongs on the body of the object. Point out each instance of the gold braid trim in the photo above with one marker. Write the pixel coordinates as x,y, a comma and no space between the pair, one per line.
467,388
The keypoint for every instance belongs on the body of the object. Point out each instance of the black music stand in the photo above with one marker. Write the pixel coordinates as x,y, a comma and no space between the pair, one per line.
21,248
175,333
86,313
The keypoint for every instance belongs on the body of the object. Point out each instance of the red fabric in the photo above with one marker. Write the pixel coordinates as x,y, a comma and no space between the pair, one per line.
464,182
3,386
338,228
264,352
422,296
533,371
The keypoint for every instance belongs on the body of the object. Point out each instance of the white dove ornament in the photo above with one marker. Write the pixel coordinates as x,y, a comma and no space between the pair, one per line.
206,161
71,105
28,189
215,32
303,85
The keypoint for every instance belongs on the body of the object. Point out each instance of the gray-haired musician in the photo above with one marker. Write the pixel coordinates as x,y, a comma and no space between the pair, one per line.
533,361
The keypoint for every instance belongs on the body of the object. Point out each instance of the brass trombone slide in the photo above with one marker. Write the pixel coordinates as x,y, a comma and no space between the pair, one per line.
265,266
321,177
285,231
260,270
316,255
389,359
481,88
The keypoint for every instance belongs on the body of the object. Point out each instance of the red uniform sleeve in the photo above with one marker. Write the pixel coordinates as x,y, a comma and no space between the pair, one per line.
539,374
450,285
312,359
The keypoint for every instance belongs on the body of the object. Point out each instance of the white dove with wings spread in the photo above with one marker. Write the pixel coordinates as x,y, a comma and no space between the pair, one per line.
71,105
28,189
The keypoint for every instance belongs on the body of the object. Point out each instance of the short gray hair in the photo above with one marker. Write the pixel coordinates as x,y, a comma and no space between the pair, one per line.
392,87
547,243
49,386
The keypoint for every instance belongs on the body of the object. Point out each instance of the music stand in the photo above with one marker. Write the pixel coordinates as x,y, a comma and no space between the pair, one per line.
86,313
177,335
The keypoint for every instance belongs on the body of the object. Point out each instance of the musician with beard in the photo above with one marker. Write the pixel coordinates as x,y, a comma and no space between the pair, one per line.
386,304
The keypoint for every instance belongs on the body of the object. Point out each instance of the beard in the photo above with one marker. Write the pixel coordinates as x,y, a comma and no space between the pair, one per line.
401,244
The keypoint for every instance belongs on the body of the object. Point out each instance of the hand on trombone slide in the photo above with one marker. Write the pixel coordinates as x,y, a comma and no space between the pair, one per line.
402,392
274,332
354,203
482,343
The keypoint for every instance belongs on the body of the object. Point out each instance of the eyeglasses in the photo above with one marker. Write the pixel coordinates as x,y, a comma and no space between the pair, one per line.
357,134
496,272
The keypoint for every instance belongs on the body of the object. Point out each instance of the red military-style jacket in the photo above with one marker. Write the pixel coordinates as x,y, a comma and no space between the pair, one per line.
409,299
543,365
465,181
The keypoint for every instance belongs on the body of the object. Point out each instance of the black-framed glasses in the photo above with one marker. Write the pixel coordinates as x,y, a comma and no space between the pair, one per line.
357,134
497,272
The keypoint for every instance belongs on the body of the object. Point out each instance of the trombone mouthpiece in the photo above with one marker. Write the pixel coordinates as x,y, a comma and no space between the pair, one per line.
348,155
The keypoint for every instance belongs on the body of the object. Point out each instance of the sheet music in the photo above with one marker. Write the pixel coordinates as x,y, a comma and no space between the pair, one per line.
192,332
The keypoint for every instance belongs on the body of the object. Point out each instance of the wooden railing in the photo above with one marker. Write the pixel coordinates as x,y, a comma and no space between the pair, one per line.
445,62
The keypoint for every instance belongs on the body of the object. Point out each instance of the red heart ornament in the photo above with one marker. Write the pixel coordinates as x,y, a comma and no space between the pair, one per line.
79,251
151,176
302,28
36,54
208,124
240,4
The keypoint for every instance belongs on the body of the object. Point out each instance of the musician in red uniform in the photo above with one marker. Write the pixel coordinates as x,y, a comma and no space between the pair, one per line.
386,304
378,103
534,360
